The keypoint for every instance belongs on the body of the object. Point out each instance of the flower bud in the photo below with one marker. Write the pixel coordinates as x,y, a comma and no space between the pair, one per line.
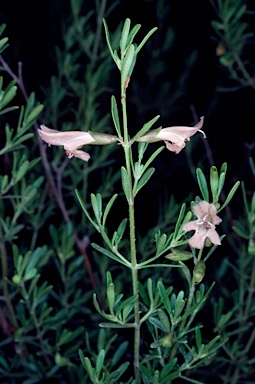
16,279
60,360
199,271
167,341
208,242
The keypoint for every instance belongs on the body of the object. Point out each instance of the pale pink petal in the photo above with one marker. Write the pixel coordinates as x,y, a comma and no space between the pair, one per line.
213,213
213,236
70,140
77,139
179,134
82,155
199,125
46,129
191,225
174,147
197,240
201,209
170,135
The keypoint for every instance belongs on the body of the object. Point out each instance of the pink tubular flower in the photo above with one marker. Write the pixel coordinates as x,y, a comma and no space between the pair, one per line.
71,141
176,136
204,226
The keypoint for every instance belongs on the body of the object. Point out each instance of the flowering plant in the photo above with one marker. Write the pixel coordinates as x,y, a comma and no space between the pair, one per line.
147,288
151,304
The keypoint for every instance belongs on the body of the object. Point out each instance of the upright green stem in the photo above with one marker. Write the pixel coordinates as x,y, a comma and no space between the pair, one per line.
192,290
184,325
134,269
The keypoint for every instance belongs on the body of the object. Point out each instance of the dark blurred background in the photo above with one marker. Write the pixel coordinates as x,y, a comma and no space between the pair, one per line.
178,75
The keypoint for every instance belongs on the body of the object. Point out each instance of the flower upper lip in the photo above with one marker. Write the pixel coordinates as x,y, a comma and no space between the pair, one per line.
71,141
176,136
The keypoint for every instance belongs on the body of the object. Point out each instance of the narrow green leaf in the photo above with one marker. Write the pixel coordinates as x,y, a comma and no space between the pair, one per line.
33,115
161,241
213,341
108,208
116,326
124,37
214,179
110,292
30,274
152,157
117,236
2,28
119,352
150,290
145,40
168,368
186,272
100,361
164,320
125,303
241,233
179,308
21,171
9,109
252,165
145,128
202,184
178,255
253,205
85,210
99,310
144,179
87,365
157,323
223,168
35,257
107,35
164,297
126,184
132,34
99,204
3,43
224,319
179,220
230,195
221,184
9,94
108,278
246,205
4,183
108,254
126,66
238,13
115,116
33,284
